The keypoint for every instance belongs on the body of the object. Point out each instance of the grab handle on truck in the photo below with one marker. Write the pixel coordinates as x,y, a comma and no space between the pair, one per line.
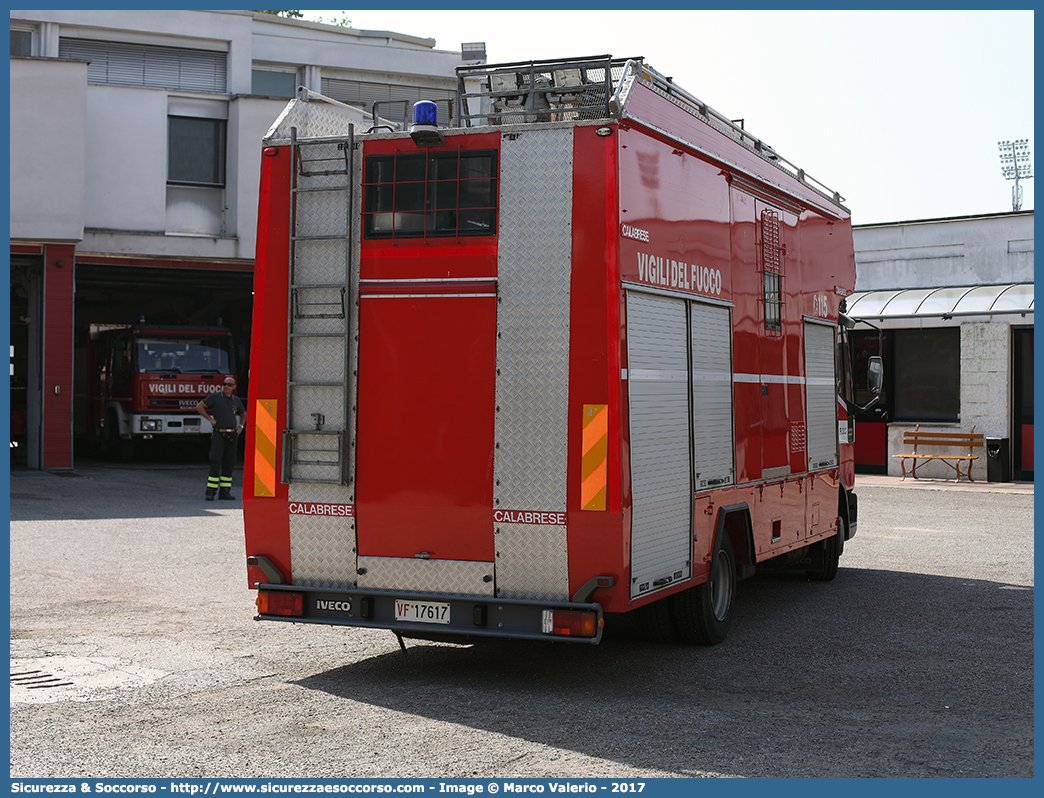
265,564
583,595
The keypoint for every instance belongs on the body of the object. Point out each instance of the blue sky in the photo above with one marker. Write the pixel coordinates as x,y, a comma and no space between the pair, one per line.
899,111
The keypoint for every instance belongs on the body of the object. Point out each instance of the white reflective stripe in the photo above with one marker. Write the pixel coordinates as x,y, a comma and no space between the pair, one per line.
657,374
379,281
711,376
421,296
779,379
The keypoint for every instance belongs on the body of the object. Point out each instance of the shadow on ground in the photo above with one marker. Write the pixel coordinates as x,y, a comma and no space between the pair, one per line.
877,668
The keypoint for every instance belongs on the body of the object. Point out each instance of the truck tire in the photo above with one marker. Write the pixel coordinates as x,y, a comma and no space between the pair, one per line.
657,622
118,449
111,437
832,548
703,614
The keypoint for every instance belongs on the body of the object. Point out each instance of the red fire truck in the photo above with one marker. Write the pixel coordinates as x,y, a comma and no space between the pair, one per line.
144,381
577,354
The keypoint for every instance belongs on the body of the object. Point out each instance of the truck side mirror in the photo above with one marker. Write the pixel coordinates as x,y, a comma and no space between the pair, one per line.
875,375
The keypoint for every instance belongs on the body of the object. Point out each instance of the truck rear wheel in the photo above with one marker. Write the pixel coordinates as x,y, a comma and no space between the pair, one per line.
703,614
832,548
657,622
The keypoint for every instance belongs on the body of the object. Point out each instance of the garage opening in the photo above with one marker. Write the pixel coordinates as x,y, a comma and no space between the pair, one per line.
118,294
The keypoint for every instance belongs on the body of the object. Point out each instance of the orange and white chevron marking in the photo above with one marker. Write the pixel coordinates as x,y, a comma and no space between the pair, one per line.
595,443
265,447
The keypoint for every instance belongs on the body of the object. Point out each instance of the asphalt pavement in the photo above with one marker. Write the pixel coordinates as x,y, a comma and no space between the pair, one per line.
134,654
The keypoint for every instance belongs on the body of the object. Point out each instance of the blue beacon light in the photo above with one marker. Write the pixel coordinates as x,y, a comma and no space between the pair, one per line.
425,128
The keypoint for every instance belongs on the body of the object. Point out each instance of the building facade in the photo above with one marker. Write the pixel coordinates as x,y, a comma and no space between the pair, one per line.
135,155
953,301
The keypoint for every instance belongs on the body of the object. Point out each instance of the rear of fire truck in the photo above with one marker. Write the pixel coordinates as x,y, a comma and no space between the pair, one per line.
438,370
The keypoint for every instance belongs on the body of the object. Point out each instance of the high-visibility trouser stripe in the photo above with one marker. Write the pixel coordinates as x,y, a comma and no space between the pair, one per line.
212,483
265,447
595,444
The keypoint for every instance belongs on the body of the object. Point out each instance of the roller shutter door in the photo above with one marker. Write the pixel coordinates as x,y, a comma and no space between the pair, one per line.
820,396
712,435
661,487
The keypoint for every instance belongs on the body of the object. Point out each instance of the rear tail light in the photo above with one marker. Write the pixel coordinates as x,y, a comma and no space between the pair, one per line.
276,602
571,622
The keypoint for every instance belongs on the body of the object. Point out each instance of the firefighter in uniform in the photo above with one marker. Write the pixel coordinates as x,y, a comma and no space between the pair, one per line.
226,413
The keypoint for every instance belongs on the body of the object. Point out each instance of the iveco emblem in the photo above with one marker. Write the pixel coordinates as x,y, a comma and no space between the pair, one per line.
336,606
604,131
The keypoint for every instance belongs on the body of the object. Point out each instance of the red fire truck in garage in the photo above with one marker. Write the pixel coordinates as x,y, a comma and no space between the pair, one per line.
577,354
144,381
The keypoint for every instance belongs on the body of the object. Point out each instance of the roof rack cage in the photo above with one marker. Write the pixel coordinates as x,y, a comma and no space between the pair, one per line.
594,87
557,90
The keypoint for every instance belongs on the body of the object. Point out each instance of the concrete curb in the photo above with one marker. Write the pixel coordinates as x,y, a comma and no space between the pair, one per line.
875,480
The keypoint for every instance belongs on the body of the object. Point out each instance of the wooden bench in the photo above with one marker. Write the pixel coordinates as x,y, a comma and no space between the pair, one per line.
918,439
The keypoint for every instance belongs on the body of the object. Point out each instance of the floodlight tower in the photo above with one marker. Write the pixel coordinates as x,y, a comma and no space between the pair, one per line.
1015,164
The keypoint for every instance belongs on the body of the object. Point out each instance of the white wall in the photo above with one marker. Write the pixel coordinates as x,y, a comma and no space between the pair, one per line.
105,162
48,152
978,250
986,379
392,57
249,120
126,135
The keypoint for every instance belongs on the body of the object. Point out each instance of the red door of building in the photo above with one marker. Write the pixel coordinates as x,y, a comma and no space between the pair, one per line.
1022,410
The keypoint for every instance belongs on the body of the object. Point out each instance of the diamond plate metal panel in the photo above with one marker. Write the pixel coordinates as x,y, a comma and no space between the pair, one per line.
319,359
316,457
321,213
310,119
320,262
532,562
323,494
462,577
533,273
322,550
320,309
325,400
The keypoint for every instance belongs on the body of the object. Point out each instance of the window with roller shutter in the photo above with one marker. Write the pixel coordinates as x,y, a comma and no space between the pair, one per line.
149,65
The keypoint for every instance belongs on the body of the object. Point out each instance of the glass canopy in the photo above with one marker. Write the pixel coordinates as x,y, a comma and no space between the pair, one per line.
968,300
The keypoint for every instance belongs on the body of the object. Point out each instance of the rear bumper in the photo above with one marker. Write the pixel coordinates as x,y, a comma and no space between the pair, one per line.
469,616
168,424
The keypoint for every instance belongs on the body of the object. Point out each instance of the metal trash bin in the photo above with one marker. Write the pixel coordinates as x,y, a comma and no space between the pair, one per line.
998,460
